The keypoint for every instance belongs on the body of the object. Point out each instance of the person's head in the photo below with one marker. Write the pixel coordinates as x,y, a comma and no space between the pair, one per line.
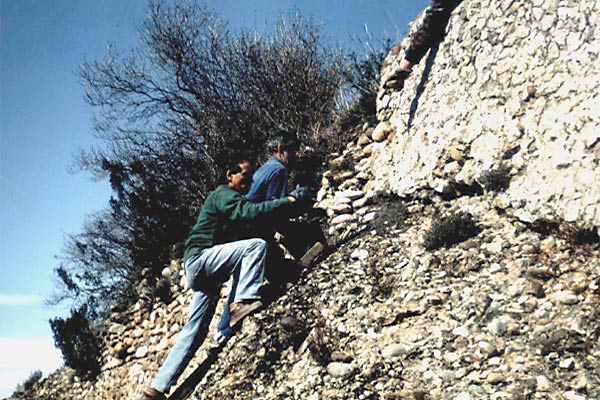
286,148
239,174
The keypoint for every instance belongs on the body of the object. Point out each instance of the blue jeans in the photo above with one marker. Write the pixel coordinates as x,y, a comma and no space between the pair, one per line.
245,260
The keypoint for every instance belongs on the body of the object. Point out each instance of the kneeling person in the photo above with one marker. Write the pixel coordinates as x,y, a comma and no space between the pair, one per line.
209,260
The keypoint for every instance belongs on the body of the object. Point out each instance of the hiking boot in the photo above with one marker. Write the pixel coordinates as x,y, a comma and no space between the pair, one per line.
241,309
396,80
152,394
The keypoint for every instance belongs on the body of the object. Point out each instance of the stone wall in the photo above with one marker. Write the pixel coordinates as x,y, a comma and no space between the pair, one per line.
515,86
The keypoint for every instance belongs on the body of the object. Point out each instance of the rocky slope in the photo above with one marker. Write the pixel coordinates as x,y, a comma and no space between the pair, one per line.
509,313
501,132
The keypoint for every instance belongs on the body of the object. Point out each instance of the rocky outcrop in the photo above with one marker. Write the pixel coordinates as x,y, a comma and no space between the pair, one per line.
514,87
510,313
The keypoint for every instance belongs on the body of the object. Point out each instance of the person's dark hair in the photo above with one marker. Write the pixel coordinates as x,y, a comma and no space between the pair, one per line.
288,142
234,164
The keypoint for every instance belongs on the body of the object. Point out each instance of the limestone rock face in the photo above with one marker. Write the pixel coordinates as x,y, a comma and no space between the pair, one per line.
516,84
509,313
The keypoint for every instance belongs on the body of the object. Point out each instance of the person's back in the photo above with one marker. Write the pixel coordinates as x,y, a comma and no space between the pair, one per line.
270,181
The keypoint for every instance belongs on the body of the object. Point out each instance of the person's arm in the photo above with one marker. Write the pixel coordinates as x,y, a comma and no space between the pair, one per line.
431,29
237,207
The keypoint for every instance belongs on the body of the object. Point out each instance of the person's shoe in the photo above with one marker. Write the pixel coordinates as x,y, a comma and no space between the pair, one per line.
396,80
239,310
152,394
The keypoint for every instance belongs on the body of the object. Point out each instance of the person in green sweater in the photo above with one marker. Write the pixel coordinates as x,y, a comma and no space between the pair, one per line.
211,255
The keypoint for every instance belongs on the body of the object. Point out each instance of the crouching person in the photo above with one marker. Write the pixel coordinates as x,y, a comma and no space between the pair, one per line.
210,257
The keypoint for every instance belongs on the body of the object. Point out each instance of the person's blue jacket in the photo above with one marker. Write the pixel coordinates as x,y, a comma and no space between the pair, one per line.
269,181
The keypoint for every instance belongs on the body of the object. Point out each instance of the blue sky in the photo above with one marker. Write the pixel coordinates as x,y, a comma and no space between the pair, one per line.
44,121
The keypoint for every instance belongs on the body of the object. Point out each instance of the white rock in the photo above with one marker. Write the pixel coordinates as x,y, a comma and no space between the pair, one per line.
360,203
463,396
141,352
360,254
542,382
524,215
134,370
396,350
382,131
335,206
351,194
442,186
166,272
342,219
487,348
341,199
183,283
565,297
460,331
572,395
369,217
498,326
567,363
340,370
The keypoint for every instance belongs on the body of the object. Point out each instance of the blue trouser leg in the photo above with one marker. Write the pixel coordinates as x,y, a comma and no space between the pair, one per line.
190,338
245,261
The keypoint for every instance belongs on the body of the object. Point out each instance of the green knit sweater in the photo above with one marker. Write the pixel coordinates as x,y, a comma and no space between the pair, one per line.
223,207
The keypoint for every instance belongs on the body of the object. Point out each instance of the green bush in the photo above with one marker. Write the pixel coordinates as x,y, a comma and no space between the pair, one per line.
495,180
451,230
77,339
393,214
22,389
169,115
363,85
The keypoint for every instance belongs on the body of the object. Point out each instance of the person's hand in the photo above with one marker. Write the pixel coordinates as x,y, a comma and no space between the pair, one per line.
301,194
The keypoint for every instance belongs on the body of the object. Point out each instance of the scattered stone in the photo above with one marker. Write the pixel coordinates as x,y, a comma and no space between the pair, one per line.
382,131
572,395
342,219
364,140
359,254
460,331
498,326
565,297
396,350
456,154
341,370
495,378
351,194
567,364
510,313
141,352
